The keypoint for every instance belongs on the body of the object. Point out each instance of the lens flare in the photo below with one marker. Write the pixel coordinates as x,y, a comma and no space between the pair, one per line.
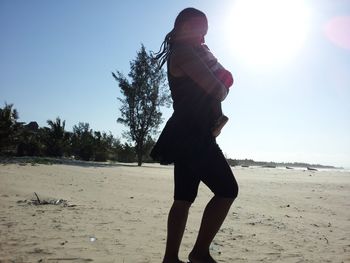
337,31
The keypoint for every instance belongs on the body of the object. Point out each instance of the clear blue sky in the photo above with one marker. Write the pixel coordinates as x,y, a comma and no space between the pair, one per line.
287,104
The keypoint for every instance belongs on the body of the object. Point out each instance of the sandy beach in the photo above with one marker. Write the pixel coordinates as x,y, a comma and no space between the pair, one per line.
118,213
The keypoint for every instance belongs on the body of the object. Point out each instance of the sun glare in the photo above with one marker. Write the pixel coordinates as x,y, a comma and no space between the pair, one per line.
269,32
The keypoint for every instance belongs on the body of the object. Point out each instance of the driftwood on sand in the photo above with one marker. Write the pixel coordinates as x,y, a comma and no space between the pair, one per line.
37,201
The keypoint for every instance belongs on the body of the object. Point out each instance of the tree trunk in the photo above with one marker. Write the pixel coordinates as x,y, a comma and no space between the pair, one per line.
139,152
139,158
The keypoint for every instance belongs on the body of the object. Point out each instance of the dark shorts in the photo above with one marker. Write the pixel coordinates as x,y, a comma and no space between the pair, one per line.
211,168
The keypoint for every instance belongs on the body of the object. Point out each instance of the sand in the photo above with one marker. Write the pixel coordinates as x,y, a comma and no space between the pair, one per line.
118,214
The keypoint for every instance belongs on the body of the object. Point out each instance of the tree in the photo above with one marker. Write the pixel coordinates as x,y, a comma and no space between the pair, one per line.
116,149
83,141
9,129
148,145
126,153
143,97
56,139
31,140
103,144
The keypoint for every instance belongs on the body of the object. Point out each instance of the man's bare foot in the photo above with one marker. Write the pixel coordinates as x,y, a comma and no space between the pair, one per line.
193,258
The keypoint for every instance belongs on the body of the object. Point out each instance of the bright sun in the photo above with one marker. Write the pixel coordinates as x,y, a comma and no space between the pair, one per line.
269,32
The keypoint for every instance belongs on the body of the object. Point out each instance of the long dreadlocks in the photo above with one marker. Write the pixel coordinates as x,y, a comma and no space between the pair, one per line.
165,49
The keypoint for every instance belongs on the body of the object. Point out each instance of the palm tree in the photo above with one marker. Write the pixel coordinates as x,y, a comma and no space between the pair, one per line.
56,138
8,128
57,129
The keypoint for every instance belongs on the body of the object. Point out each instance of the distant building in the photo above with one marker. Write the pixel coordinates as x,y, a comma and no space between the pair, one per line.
33,126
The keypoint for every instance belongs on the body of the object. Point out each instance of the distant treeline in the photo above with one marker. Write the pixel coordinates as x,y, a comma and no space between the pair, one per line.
83,143
21,139
249,162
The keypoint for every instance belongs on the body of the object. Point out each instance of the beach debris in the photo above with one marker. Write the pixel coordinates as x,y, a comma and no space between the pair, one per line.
325,238
284,206
37,201
92,239
311,169
269,166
